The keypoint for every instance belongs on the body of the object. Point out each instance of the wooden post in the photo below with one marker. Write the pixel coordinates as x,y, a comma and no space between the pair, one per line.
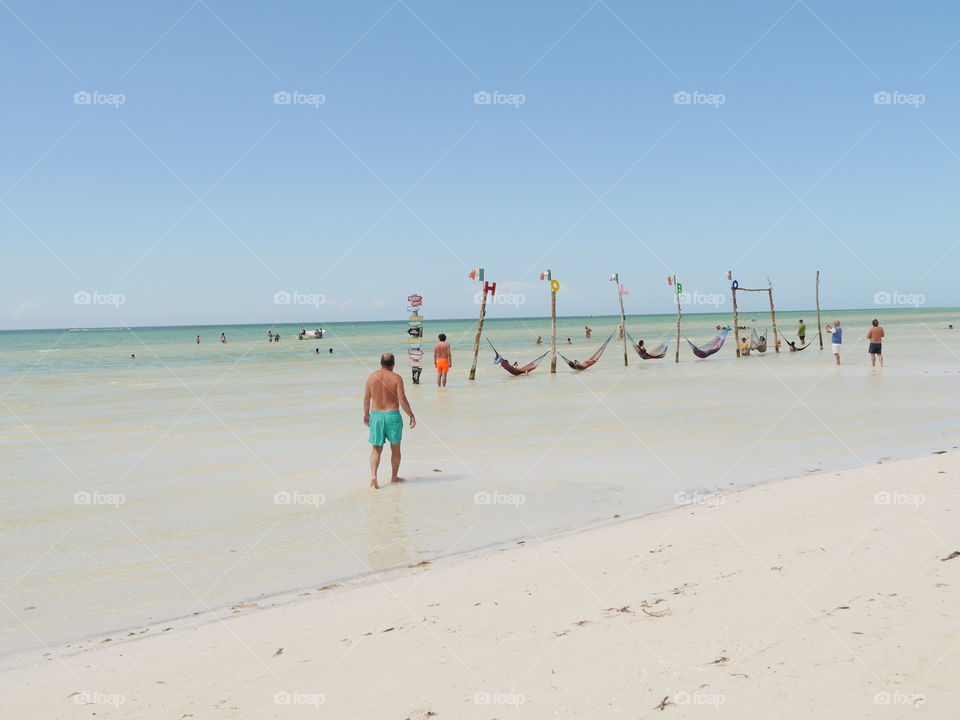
736,320
773,319
476,340
819,329
623,324
553,330
676,291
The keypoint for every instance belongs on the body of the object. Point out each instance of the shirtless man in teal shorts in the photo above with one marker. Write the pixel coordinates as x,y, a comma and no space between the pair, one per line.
384,391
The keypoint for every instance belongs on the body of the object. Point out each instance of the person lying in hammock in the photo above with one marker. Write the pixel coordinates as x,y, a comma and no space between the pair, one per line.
641,347
525,372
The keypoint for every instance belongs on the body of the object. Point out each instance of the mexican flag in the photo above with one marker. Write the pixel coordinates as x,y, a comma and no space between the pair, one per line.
545,275
476,274
615,277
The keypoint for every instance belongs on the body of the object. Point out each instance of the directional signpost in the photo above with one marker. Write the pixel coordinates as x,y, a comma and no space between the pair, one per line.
415,331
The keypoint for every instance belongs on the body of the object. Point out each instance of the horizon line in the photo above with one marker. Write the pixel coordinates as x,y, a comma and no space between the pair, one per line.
440,320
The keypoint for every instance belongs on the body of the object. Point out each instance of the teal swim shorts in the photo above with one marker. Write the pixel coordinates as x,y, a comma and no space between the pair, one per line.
385,424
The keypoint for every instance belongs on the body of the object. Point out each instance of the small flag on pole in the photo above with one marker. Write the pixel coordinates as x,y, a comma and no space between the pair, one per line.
622,291
615,277
669,279
476,274
729,274
546,275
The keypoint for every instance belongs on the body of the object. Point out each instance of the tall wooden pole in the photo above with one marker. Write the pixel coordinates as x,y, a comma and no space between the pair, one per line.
676,291
736,320
773,319
623,325
553,330
476,340
819,329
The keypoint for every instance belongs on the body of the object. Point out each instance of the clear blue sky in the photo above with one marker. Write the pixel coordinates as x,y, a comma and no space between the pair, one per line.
199,198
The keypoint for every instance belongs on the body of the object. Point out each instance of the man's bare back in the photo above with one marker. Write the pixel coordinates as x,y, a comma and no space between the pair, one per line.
385,388
875,334
442,350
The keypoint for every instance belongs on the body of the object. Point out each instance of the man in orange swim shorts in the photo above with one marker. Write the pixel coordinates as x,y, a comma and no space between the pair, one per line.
442,359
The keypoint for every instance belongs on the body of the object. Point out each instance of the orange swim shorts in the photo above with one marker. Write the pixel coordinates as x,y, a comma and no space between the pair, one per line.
443,365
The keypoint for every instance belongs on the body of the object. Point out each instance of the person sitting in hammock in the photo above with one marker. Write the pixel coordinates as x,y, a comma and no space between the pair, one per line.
641,347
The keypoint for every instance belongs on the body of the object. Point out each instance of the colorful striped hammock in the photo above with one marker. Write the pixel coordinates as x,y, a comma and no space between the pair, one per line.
589,362
659,352
510,368
705,351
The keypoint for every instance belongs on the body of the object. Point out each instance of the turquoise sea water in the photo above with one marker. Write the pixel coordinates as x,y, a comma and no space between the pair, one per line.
200,476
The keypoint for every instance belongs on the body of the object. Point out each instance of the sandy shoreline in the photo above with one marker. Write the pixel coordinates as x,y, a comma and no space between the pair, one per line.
819,596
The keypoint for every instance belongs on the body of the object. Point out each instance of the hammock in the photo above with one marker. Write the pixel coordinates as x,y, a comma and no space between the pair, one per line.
506,365
758,343
705,351
794,345
577,365
658,352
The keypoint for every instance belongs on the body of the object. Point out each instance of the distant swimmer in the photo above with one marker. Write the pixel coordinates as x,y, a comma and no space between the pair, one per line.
132,356
198,339
836,339
331,351
270,335
223,338
442,360
317,351
276,337
875,336
539,339
569,341
587,332
383,397
802,332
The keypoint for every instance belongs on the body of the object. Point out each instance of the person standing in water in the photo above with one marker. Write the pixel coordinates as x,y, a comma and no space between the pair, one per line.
836,340
802,332
383,396
198,339
223,338
875,336
442,359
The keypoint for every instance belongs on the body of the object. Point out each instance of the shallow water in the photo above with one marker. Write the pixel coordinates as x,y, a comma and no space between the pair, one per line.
199,476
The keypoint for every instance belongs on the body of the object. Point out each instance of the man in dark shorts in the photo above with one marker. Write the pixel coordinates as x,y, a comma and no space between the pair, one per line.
875,336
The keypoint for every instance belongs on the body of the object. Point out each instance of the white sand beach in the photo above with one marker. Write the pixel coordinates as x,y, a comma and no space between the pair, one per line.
831,595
